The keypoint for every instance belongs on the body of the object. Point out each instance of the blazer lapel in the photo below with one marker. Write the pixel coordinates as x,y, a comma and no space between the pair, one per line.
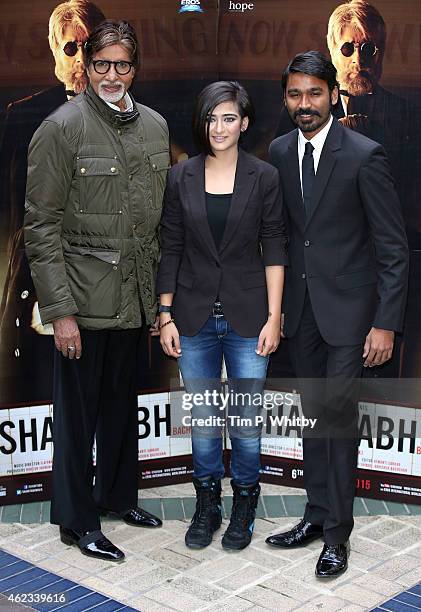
195,190
245,178
326,164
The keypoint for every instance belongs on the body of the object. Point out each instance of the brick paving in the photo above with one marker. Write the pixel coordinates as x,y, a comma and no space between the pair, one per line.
160,573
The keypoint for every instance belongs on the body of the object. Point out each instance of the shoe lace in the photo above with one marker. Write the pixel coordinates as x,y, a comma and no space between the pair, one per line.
299,526
330,551
205,506
138,513
241,512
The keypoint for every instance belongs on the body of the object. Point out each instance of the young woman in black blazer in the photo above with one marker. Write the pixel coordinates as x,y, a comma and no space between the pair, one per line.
220,282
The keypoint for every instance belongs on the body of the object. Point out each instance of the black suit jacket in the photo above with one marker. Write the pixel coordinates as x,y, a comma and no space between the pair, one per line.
395,123
26,358
254,237
351,249
21,120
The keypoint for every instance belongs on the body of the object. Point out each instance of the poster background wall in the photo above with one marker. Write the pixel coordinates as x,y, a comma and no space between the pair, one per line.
181,52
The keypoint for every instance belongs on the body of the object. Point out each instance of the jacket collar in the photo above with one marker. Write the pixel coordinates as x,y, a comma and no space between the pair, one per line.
244,180
113,117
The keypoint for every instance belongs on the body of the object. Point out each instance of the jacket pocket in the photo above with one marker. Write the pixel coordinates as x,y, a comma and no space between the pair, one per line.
356,279
253,279
159,164
98,179
94,279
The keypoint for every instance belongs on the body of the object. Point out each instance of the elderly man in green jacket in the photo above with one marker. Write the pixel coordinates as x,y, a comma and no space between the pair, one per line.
96,175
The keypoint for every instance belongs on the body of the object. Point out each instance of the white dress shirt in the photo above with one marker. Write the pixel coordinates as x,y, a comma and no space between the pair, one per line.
127,101
344,102
318,142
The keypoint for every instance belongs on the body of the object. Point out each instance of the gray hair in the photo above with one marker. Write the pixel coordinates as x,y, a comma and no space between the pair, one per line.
82,15
360,16
111,32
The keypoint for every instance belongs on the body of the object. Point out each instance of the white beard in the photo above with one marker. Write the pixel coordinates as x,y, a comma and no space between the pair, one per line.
107,96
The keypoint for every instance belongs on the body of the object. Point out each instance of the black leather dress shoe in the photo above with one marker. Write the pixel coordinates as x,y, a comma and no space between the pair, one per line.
92,543
137,517
300,535
333,560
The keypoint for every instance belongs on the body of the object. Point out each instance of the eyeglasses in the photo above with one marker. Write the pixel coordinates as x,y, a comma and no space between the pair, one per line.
367,49
71,47
103,66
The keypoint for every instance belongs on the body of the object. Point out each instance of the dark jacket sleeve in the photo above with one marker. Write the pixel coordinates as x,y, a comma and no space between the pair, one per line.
383,211
50,168
9,142
172,237
273,237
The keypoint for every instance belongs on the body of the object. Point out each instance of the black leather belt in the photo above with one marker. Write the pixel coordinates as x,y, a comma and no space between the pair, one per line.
217,310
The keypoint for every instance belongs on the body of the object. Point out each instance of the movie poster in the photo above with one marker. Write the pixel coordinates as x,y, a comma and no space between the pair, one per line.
186,44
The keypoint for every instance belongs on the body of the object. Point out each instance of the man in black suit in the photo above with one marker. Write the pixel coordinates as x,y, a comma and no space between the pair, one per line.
357,41
26,347
356,38
345,290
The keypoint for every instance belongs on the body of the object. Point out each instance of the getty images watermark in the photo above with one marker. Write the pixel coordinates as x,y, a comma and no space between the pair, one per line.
235,404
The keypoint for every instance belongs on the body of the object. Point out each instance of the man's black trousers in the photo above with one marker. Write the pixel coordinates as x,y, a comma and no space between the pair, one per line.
329,388
95,398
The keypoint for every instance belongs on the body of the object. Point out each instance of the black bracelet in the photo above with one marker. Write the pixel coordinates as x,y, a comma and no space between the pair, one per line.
162,308
166,323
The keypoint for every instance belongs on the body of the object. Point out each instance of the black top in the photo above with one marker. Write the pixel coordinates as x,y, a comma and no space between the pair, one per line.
217,208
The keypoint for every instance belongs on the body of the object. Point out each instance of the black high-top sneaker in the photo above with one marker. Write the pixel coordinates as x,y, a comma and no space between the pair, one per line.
208,517
240,528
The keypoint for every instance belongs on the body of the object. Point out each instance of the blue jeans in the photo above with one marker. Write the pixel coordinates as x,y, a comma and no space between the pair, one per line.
200,366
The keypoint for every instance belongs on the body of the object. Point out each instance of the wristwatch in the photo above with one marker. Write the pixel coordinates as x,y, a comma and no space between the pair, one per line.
163,308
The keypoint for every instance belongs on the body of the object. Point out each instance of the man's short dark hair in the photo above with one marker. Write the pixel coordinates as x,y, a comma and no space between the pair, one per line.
314,64
111,32
212,95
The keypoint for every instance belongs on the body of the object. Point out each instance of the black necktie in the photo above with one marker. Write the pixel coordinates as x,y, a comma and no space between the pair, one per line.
308,175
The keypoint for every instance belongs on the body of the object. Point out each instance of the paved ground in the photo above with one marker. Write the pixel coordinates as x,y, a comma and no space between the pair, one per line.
161,574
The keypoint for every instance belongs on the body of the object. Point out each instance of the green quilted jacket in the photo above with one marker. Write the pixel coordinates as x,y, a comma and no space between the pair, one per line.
95,185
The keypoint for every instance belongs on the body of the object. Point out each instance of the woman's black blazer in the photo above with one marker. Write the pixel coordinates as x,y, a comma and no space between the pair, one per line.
254,237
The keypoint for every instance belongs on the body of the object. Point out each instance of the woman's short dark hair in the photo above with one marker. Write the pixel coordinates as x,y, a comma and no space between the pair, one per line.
314,64
208,100
111,32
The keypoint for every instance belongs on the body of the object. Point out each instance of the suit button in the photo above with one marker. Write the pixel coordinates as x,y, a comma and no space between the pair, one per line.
303,276
217,264
307,243
24,294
